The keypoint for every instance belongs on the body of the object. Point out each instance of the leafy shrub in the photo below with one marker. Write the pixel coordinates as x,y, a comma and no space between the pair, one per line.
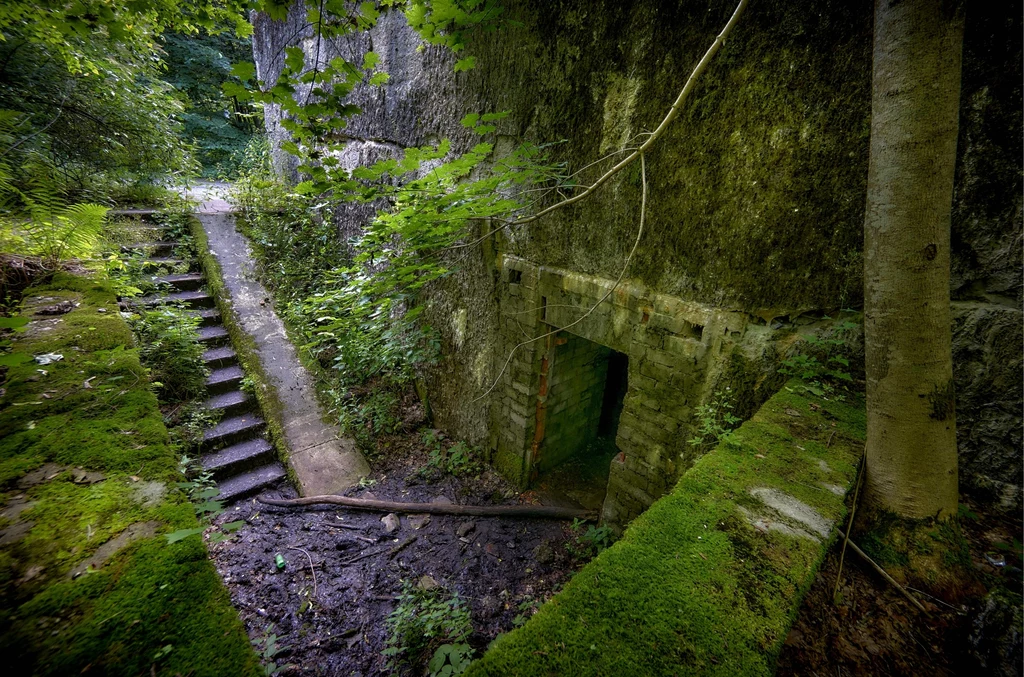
450,660
170,347
585,544
456,459
824,363
714,422
422,622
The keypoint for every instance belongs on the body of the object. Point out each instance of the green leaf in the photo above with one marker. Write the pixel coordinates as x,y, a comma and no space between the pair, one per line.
465,64
370,61
379,78
233,89
14,359
176,536
294,58
369,11
243,70
470,120
207,493
233,526
16,322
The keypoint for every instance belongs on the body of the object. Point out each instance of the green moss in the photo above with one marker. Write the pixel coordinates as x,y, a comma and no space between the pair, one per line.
692,587
927,553
94,410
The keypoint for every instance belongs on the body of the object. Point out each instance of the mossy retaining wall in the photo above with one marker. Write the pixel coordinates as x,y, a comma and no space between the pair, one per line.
85,462
756,192
708,580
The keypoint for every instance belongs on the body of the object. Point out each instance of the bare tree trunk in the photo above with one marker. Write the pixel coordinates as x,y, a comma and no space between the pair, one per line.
911,428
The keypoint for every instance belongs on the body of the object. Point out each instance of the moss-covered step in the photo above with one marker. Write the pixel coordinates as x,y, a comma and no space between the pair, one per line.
709,579
88,582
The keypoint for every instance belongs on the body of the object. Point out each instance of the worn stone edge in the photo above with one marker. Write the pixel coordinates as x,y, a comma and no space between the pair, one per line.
544,645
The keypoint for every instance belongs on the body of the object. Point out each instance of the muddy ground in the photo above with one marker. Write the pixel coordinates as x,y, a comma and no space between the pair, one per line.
500,567
871,629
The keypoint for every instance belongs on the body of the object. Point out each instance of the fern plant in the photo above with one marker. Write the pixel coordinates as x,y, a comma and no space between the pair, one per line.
58,233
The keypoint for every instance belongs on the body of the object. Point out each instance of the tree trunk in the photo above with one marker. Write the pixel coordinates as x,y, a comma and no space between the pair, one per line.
911,428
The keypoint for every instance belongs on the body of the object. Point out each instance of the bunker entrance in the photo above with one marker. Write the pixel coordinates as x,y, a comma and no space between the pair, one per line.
586,389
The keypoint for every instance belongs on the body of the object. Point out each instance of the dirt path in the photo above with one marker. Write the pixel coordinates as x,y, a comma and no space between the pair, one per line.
500,567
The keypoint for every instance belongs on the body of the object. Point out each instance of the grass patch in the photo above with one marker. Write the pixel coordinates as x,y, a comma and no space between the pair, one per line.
692,587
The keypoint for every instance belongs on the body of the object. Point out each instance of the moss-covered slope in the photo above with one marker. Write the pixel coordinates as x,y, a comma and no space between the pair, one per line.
694,587
85,466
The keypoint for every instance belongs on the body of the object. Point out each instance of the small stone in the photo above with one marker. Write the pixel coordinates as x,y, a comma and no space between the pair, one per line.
390,522
441,500
149,494
101,310
82,476
490,604
465,528
543,553
427,583
419,521
30,573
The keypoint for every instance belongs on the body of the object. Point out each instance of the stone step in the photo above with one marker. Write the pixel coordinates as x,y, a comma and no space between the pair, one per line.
144,213
213,336
207,316
249,483
162,261
231,403
181,281
191,299
224,379
219,357
158,248
239,458
231,430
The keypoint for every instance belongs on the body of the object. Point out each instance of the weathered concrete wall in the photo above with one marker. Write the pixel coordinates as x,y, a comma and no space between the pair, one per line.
757,190
679,354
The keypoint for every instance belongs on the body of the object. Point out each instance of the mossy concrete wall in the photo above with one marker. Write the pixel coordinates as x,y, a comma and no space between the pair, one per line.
679,354
708,580
88,582
756,191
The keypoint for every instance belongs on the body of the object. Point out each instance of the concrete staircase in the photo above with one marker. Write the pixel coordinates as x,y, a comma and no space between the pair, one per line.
236,450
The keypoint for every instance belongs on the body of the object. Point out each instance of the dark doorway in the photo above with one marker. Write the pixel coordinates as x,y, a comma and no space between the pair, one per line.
587,387
614,395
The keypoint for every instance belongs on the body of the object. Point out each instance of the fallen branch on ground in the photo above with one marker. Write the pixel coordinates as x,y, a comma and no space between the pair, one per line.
883,572
311,569
539,511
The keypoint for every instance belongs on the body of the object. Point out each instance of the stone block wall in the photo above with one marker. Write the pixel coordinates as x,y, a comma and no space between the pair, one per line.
549,394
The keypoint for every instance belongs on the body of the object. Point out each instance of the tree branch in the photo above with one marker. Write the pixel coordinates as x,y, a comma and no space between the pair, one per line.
622,273
434,508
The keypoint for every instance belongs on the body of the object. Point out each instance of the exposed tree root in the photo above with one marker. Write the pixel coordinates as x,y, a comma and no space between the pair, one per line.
539,511
883,572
